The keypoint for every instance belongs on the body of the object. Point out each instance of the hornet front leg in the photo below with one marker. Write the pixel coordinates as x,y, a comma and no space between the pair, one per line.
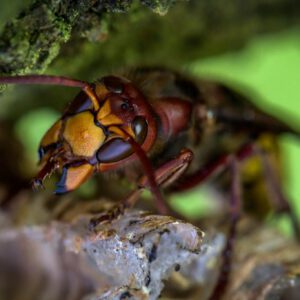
165,175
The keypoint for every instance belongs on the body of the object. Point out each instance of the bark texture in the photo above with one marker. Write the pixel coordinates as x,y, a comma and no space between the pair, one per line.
143,256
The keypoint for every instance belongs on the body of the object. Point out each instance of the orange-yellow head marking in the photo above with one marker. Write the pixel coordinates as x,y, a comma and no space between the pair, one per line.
73,177
51,135
106,117
83,135
101,91
120,131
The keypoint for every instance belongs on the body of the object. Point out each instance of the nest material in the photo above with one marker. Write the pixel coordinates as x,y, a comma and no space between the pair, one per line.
141,256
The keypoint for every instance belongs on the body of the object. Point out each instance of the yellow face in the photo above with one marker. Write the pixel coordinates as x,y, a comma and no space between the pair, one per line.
85,137
82,135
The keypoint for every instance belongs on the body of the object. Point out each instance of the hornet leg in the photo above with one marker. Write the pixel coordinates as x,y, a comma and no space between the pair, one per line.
235,211
164,176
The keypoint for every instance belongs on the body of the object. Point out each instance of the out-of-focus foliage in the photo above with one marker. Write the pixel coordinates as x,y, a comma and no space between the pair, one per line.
268,70
270,67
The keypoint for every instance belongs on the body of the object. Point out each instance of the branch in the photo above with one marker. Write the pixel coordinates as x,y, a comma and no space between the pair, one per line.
29,43
139,256
129,257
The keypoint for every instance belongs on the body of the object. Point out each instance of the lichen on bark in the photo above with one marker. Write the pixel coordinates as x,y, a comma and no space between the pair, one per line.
31,41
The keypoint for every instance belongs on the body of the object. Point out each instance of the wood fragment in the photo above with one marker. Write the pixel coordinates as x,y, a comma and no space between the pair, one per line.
130,256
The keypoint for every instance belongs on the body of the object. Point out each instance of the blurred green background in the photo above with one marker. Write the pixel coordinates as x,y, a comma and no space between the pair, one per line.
269,66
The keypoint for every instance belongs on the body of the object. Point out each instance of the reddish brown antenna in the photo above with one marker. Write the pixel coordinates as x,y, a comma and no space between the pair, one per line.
53,80
146,164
